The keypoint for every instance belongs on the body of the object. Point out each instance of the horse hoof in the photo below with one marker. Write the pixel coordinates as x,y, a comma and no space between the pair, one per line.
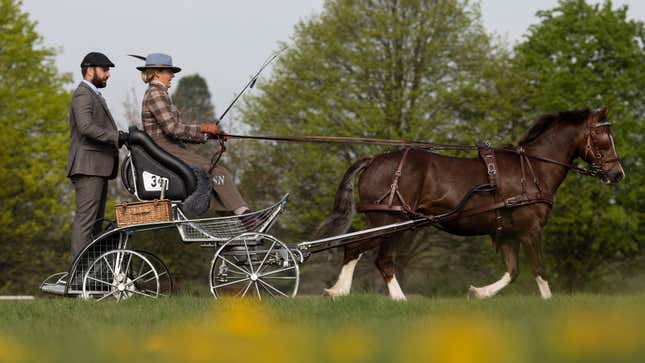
474,292
471,293
333,294
399,299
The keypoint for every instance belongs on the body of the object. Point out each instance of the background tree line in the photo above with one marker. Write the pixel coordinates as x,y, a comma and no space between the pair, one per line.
414,69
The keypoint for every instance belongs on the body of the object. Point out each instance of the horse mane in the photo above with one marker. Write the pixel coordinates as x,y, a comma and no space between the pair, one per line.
546,122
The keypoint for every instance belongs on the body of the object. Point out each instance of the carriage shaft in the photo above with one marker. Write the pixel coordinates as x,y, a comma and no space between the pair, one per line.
327,243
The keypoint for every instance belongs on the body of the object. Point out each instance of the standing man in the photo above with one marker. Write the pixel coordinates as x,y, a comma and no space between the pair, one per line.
93,149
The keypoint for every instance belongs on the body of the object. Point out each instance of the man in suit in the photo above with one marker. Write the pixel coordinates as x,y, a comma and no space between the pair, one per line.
93,150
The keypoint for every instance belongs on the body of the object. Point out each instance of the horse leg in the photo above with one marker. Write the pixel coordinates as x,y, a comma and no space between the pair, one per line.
385,264
533,249
510,256
344,282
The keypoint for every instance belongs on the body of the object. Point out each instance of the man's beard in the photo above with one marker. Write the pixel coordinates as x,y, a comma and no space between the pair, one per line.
99,82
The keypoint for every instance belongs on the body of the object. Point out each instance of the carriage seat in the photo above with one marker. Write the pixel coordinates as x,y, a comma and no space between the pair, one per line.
148,166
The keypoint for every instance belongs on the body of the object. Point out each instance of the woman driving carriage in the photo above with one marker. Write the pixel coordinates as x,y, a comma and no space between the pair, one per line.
163,122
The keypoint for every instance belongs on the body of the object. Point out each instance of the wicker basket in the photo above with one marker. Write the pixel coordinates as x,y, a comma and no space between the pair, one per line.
143,212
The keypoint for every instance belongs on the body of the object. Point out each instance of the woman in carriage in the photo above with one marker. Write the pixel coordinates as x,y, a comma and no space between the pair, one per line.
163,122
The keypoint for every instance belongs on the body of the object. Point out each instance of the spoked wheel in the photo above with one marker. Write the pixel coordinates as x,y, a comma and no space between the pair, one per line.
166,283
254,264
122,274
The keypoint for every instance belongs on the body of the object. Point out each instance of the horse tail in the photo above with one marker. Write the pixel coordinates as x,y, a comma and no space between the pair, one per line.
341,217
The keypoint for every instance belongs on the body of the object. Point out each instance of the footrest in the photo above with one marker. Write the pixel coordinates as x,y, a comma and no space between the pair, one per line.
55,289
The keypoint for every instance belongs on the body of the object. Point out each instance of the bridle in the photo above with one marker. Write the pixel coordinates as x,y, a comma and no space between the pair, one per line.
598,159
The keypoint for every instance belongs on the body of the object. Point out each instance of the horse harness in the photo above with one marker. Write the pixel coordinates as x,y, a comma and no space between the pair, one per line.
386,202
501,203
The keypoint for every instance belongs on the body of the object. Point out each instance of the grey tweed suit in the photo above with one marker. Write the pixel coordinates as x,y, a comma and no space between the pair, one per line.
93,160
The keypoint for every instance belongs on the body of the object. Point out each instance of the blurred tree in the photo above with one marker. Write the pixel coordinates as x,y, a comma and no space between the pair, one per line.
193,99
411,69
35,196
132,109
580,56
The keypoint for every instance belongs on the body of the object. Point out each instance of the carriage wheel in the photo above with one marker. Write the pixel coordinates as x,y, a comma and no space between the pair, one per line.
121,274
166,283
255,265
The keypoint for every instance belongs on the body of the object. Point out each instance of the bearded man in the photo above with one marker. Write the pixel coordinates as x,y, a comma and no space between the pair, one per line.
93,150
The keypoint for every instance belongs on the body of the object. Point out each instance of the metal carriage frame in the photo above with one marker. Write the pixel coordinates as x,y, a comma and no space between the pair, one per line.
247,259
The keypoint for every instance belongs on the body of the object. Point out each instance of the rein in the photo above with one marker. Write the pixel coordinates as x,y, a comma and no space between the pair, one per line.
357,141
406,144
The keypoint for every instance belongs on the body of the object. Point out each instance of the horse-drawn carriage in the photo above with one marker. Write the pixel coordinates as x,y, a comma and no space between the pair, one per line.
249,261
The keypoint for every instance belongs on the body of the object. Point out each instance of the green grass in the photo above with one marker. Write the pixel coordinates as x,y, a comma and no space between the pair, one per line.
356,328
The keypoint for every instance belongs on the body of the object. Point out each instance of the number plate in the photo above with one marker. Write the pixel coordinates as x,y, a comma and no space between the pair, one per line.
152,182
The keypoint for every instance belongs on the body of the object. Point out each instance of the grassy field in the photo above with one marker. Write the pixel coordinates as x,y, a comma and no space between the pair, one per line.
362,328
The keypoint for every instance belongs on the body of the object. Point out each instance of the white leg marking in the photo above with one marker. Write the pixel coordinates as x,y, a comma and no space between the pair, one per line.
395,290
492,289
344,283
543,285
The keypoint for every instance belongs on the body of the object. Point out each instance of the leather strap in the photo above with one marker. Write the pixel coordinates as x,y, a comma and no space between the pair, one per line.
218,155
394,190
488,156
512,202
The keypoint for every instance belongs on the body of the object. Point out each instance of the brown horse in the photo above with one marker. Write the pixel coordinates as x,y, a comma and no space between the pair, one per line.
430,184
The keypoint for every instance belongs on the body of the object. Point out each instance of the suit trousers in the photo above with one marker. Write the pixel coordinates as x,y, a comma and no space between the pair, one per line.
91,195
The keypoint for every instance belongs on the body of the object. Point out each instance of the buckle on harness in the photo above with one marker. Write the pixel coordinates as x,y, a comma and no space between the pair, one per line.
511,201
491,169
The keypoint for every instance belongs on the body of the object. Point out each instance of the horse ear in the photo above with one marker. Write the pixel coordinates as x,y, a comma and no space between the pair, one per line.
602,113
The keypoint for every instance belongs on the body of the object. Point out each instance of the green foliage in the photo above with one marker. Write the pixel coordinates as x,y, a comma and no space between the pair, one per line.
580,56
394,69
35,194
193,99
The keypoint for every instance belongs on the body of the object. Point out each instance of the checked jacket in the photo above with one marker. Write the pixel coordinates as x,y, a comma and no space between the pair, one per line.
160,116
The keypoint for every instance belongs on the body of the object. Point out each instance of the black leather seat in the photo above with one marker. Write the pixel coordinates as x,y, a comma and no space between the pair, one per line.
151,165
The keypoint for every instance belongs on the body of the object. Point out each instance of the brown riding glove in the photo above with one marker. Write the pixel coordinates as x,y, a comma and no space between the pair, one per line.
212,129
209,129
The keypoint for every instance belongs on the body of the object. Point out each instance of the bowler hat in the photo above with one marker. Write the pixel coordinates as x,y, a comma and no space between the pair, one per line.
96,59
157,61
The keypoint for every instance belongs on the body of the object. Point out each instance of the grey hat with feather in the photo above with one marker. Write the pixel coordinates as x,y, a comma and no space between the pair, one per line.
157,61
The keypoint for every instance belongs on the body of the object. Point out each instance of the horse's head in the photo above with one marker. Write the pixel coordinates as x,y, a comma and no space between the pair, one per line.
598,149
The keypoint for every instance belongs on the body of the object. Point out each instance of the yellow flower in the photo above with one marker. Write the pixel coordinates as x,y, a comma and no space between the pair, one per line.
459,339
11,350
350,344
234,330
590,334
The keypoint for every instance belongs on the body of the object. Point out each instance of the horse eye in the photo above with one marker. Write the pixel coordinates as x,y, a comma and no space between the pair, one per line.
604,141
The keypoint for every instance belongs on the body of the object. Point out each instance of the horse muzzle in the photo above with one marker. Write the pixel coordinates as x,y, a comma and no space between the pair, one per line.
613,176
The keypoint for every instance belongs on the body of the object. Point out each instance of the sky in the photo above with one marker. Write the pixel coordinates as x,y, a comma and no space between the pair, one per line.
223,41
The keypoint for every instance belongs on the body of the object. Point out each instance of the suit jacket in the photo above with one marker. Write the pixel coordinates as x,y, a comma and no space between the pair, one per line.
94,137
